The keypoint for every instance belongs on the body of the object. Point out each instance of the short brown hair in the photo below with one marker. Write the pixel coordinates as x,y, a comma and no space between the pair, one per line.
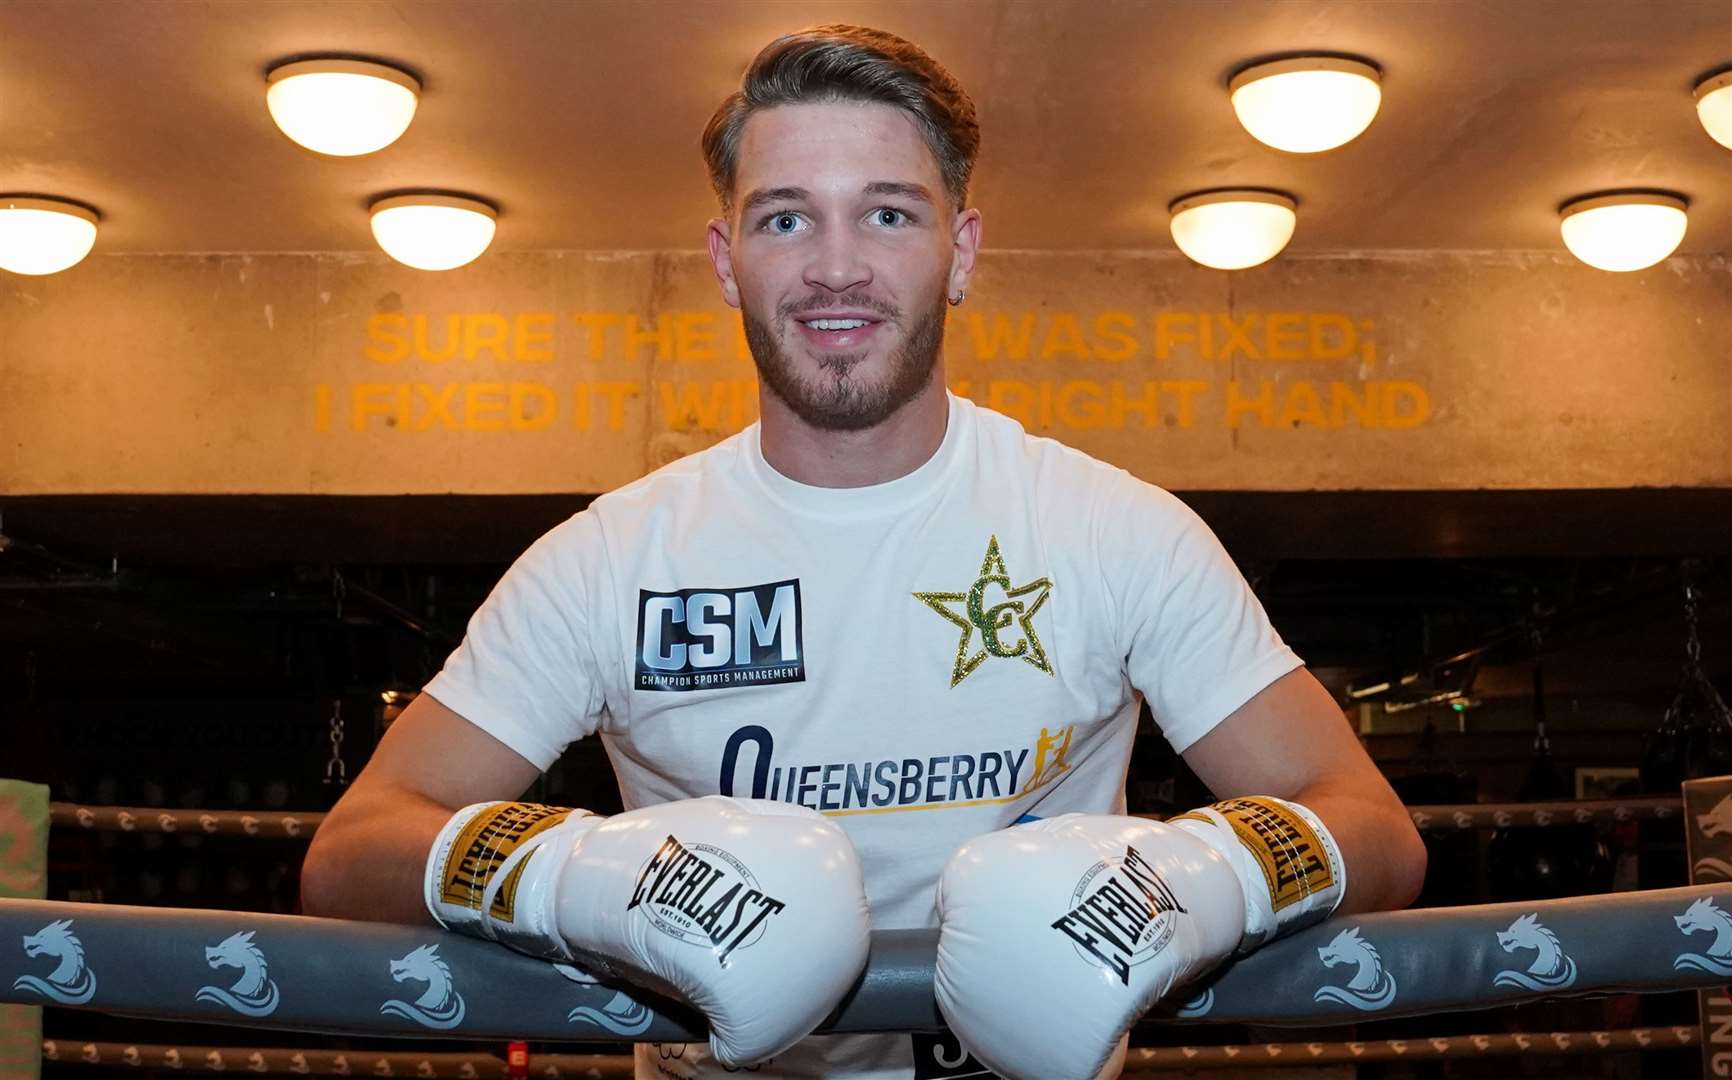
838,62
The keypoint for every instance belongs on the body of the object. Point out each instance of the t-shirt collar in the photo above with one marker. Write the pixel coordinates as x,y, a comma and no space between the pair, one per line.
872,499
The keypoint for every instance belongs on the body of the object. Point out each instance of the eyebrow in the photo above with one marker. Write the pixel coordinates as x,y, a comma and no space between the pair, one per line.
763,196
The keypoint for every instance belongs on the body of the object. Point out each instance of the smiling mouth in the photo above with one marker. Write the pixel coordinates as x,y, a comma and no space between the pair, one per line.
838,331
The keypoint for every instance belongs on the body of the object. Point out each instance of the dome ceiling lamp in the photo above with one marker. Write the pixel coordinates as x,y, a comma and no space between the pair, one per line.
1235,228
40,235
1714,106
1624,231
1306,104
341,107
433,231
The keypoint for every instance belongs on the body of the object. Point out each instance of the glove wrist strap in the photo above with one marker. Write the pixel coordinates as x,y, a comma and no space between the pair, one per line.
484,877
1289,866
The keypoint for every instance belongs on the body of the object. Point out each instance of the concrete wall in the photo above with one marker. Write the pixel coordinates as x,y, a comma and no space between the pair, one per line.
577,372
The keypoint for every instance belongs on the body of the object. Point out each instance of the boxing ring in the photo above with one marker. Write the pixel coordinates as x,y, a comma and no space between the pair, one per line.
297,973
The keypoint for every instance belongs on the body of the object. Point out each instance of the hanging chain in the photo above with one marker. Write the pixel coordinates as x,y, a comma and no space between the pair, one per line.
1542,741
335,771
1697,702
1692,641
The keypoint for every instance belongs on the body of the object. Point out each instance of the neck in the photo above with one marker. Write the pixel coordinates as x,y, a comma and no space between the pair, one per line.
906,440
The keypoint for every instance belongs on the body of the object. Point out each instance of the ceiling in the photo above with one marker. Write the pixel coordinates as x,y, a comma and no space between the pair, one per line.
580,118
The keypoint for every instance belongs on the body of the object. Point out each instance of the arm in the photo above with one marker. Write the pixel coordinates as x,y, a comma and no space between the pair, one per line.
520,687
1198,644
368,859
1291,741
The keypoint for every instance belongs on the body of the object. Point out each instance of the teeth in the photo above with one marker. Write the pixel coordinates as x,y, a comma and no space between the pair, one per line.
836,324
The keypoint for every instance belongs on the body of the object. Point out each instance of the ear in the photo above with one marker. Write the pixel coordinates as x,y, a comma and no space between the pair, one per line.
722,259
964,245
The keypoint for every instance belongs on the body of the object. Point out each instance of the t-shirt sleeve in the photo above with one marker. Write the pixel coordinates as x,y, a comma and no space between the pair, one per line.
1196,640
526,671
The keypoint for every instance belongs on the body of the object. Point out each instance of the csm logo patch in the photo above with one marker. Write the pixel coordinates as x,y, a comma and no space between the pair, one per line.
708,639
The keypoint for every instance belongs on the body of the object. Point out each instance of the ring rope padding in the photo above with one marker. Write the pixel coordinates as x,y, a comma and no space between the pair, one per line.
330,975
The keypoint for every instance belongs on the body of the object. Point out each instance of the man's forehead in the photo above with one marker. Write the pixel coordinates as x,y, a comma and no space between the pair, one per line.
821,116
835,148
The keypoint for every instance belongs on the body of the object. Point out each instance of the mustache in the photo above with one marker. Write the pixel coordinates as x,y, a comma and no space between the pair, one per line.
849,301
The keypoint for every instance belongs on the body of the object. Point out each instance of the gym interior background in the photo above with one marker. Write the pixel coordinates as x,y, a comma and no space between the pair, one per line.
255,474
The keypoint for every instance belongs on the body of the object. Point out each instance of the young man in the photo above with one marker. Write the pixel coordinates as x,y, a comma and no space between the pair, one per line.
888,623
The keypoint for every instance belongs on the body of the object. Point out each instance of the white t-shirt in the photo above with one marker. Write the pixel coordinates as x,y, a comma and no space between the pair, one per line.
924,660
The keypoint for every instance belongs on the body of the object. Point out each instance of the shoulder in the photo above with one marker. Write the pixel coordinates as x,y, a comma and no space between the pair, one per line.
631,508
674,484
1062,474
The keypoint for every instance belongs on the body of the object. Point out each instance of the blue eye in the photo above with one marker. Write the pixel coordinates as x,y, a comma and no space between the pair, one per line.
787,221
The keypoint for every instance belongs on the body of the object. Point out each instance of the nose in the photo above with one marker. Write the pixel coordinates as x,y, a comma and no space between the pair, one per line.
837,262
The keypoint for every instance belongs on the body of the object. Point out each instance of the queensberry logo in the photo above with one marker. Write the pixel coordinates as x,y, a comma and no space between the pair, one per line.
891,783
707,639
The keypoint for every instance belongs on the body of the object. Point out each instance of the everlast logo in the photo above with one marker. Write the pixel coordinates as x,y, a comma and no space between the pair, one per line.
704,896
706,639
1116,924
1286,847
482,847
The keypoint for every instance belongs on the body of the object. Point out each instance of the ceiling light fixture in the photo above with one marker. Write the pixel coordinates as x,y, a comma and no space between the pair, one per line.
341,107
1624,231
1714,106
1233,229
1306,104
433,231
43,236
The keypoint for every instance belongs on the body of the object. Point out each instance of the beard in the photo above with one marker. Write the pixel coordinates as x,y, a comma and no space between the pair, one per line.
835,399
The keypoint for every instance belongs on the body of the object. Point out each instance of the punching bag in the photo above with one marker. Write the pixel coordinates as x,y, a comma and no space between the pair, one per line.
1694,738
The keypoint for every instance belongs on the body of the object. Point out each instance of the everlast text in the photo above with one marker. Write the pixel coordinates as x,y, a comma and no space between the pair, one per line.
1112,922
702,899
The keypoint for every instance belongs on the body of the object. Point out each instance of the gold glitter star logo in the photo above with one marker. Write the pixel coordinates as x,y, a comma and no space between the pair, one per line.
972,613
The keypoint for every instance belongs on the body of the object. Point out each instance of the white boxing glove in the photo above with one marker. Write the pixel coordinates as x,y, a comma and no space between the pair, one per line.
1056,935
753,911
